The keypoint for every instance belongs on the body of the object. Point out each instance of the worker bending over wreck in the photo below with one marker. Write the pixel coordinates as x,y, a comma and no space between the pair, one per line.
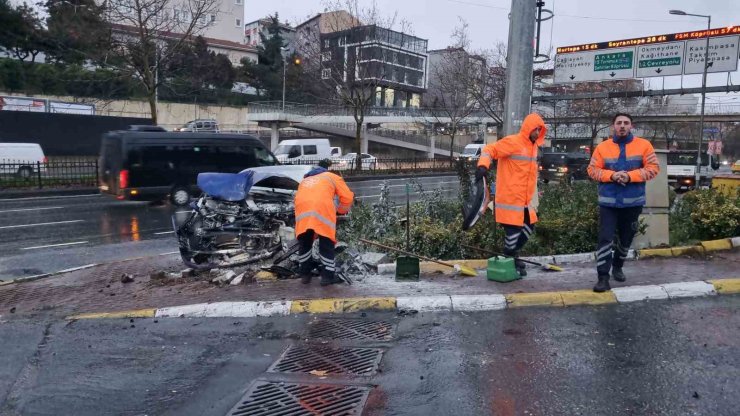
316,218
516,183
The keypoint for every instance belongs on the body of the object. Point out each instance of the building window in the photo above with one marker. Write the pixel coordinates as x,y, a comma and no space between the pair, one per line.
326,73
238,22
213,18
177,15
326,56
341,41
238,2
326,43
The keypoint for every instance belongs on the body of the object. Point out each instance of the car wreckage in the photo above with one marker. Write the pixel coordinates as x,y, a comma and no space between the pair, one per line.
248,217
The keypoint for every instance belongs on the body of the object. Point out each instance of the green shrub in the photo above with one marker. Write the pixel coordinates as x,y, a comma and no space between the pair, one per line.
704,215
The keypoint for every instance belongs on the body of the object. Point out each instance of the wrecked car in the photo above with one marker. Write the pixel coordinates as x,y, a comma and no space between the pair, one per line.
248,217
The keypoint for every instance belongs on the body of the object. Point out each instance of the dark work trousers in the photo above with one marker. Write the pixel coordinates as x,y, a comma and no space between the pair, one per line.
326,255
517,237
617,228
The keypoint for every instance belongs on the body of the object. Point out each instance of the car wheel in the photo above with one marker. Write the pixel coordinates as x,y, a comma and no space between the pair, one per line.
180,196
545,181
25,172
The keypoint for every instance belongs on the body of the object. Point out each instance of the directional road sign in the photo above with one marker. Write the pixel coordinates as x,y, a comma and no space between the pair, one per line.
595,65
660,59
723,55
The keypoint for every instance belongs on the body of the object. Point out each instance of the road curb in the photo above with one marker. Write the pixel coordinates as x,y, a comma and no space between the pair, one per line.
434,303
699,249
49,193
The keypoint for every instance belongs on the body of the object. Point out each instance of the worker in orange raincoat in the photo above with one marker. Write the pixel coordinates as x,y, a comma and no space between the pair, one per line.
316,217
516,183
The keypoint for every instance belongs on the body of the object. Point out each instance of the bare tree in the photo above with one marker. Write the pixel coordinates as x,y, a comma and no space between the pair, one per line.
147,34
489,90
454,76
349,76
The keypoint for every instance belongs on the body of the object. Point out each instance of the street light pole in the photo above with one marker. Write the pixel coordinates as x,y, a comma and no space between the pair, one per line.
703,89
285,66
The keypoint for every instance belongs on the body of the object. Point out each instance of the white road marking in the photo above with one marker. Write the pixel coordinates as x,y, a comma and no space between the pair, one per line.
164,232
6,227
52,197
30,209
55,245
169,253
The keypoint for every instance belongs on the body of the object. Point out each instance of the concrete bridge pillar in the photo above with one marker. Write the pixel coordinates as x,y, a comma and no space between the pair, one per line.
432,146
274,135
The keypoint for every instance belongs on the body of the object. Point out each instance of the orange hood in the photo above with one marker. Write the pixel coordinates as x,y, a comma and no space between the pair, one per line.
531,122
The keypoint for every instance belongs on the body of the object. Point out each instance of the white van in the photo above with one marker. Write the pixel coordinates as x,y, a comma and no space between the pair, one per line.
472,151
22,159
302,151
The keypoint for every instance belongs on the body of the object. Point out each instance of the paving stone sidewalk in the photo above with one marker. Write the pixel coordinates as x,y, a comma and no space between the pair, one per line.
100,288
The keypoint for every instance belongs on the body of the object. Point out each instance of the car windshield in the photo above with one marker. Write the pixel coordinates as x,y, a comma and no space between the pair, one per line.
554,157
470,150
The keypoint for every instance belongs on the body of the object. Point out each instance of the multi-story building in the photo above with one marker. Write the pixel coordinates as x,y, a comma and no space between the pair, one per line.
222,28
393,62
253,30
457,62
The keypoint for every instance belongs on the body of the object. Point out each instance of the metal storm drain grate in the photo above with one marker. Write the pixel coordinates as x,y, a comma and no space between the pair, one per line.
323,360
266,398
351,329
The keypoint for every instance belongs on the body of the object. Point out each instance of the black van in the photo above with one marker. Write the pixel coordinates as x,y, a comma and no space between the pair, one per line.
150,165
564,167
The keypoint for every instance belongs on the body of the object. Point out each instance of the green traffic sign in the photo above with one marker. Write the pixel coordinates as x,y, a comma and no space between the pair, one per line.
613,61
653,63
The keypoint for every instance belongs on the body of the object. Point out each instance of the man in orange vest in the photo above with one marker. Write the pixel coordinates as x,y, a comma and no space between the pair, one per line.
516,183
316,217
621,165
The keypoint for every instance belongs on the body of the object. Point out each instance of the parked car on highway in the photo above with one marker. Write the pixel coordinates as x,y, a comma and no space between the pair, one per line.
22,159
348,161
563,167
303,151
154,165
204,125
472,151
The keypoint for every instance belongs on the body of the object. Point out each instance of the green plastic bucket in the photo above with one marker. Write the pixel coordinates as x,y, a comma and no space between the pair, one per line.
502,269
407,269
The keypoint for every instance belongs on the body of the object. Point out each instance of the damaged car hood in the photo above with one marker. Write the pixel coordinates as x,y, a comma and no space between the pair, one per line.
283,179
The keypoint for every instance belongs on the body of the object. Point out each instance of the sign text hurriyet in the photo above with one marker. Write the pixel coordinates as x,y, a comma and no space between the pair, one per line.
651,56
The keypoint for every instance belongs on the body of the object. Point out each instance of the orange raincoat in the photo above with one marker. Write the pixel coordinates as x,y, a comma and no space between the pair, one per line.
516,176
314,204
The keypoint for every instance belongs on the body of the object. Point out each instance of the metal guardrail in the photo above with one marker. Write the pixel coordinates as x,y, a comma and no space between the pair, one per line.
62,173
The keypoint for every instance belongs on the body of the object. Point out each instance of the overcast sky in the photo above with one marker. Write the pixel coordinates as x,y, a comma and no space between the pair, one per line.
575,22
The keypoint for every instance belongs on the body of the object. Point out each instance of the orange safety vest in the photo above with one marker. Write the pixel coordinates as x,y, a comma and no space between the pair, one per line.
314,204
516,175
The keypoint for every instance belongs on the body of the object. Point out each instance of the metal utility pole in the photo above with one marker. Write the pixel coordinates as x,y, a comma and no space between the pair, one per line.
519,64
703,89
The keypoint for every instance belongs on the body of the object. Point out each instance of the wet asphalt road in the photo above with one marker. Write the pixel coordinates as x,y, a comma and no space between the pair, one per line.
649,358
42,235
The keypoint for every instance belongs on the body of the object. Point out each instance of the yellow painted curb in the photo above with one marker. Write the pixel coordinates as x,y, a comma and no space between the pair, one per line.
431,267
265,276
516,300
138,313
726,286
339,305
655,252
716,245
687,250
587,297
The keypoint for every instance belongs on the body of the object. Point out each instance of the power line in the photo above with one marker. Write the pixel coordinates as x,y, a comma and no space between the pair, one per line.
572,16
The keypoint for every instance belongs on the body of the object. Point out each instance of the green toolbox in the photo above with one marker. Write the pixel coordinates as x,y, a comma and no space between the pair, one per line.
407,269
500,269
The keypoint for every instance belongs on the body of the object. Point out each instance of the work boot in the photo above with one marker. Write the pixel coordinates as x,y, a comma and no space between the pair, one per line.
306,279
603,284
618,275
326,281
521,267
